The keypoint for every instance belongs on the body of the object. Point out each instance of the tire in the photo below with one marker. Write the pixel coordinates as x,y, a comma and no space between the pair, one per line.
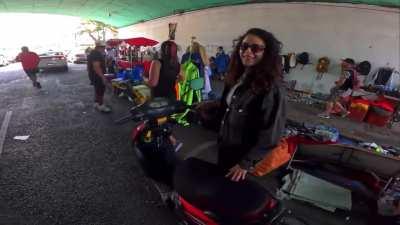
291,220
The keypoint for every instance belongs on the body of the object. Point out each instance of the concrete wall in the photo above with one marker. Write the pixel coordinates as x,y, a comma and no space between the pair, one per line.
333,30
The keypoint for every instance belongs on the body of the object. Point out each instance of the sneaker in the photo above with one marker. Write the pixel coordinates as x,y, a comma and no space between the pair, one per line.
38,85
345,114
121,95
102,108
323,115
178,146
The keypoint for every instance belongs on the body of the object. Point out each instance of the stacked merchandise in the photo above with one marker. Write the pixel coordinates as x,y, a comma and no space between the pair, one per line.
358,109
380,112
331,176
308,188
389,204
386,80
128,83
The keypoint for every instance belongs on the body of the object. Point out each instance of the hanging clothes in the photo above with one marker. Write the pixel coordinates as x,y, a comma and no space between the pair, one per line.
379,77
393,83
383,76
207,85
189,88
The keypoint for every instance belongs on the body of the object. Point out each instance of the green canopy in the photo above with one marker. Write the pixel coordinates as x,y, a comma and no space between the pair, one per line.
122,13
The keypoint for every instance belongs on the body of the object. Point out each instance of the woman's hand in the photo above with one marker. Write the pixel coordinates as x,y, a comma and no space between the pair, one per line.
236,173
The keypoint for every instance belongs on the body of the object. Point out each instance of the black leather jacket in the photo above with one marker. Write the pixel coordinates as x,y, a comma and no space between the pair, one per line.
253,123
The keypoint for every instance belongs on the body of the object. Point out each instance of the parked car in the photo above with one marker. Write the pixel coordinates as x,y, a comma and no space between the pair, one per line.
78,58
3,60
53,60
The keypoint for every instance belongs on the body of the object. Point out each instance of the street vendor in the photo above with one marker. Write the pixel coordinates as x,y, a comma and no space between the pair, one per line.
348,80
96,66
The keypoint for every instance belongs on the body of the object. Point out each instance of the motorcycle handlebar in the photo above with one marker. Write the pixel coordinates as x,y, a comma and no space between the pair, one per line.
123,119
137,115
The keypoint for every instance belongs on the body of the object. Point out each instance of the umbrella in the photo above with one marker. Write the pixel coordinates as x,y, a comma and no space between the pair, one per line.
140,41
114,42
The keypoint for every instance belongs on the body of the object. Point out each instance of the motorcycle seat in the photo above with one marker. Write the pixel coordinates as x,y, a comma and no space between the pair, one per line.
204,186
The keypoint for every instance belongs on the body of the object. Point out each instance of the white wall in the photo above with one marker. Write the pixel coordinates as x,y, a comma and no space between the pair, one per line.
333,30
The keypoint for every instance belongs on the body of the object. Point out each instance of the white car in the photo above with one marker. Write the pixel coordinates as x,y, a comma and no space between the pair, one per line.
78,58
3,60
53,60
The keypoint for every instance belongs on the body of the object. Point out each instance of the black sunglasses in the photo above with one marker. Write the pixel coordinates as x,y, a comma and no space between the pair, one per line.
255,48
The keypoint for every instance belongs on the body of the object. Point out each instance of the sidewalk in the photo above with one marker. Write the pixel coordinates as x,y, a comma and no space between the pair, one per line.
360,131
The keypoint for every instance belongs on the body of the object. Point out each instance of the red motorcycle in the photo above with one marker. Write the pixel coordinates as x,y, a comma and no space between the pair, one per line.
196,190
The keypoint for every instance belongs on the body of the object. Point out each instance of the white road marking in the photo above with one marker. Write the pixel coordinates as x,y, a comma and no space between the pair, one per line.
3,130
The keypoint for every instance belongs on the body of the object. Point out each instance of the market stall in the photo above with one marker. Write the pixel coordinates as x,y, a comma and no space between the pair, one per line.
131,68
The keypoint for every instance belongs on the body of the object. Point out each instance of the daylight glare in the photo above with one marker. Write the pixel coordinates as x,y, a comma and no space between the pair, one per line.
41,32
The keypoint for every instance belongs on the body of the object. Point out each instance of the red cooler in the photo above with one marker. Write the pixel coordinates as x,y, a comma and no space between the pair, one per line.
359,109
380,113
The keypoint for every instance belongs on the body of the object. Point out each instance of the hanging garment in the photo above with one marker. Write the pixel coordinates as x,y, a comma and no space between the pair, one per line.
292,60
286,65
363,68
189,88
322,67
383,76
222,62
393,83
207,84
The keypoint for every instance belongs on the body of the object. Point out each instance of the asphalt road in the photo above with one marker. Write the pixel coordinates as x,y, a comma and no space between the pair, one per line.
76,167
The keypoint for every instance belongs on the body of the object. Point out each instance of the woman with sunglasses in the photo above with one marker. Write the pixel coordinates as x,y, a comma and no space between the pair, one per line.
252,110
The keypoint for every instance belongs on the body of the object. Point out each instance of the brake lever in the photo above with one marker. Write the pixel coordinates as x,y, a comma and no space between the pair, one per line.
136,106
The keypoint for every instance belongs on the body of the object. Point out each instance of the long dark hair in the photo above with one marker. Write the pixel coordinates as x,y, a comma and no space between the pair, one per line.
262,75
169,53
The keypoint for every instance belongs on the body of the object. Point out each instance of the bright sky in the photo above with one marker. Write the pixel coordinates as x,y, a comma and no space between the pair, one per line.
40,32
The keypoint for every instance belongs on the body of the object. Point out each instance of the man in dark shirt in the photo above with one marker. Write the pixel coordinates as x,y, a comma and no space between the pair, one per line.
97,68
347,80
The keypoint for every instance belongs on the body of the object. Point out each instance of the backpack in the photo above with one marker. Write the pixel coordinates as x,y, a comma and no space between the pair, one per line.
303,58
323,65
363,68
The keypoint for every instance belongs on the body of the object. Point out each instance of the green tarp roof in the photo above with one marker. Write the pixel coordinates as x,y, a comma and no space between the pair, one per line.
122,13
